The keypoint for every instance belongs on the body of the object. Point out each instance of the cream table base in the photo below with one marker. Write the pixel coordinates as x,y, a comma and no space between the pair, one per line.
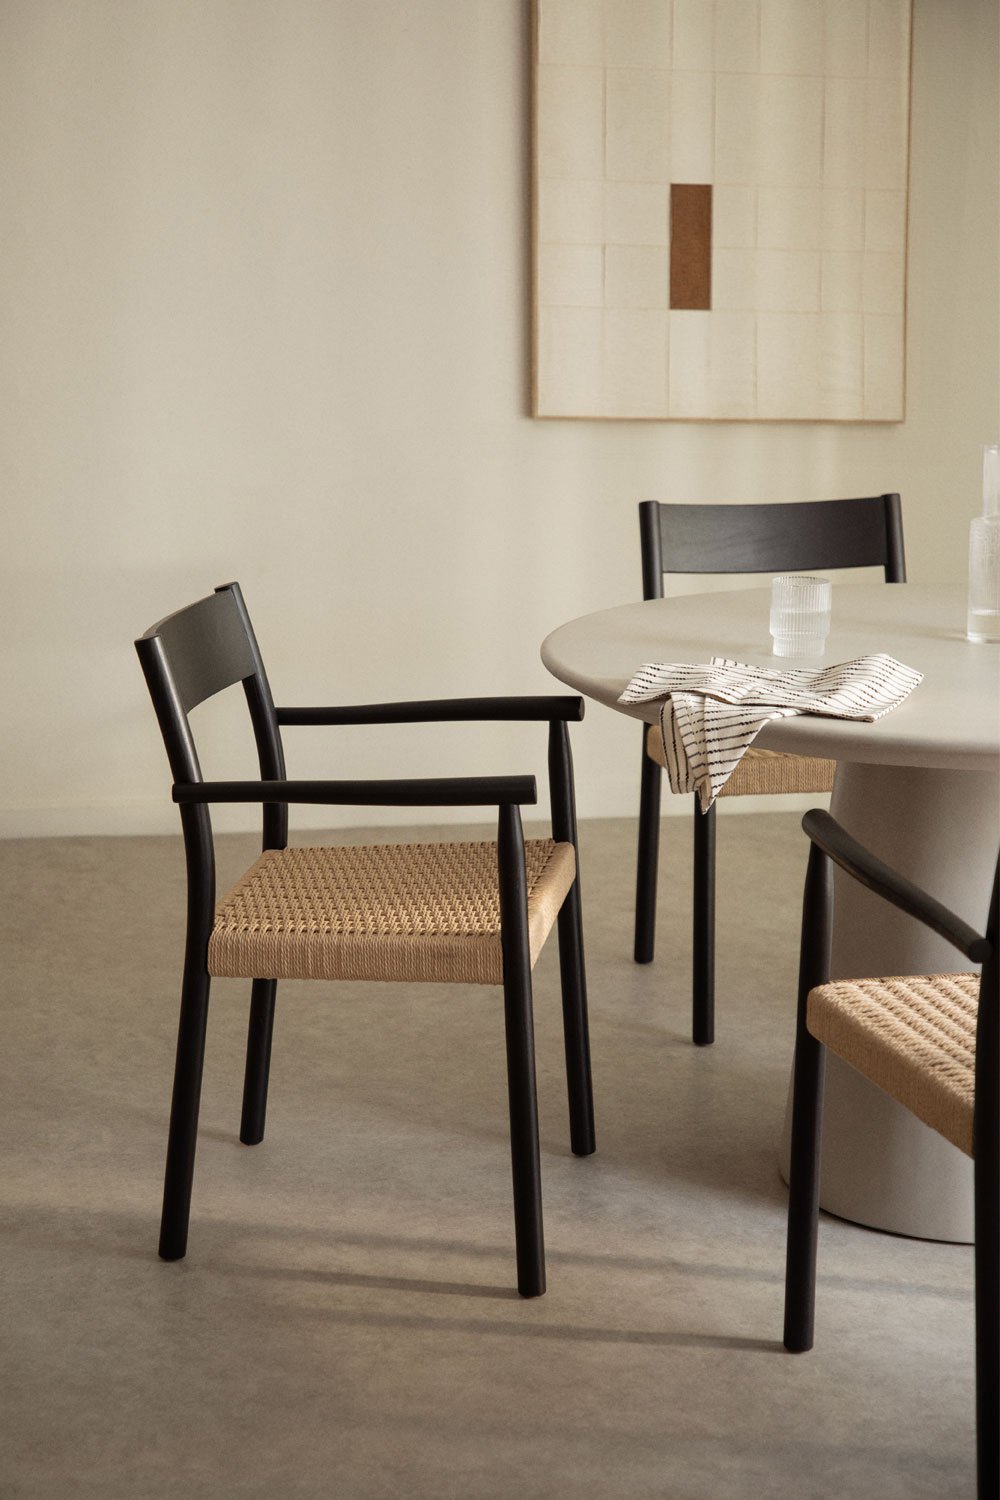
881,1166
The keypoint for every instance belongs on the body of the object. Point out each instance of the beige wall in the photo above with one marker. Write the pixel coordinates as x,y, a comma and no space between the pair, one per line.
263,314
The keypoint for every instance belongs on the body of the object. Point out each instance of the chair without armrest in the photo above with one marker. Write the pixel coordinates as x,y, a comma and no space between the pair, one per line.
455,912
931,1042
772,538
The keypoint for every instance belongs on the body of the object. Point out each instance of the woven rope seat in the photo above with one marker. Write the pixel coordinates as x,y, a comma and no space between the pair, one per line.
763,772
384,911
914,1037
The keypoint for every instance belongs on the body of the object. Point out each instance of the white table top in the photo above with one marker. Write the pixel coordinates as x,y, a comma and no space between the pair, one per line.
951,720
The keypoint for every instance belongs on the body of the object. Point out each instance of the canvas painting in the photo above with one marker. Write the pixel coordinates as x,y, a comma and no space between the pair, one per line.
720,192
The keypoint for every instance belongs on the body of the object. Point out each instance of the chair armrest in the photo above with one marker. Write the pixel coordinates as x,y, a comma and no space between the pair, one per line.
855,860
440,710
449,791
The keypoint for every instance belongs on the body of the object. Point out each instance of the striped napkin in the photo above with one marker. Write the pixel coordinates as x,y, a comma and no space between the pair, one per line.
712,714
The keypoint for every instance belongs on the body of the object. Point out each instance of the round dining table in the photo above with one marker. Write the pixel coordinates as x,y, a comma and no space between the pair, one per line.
920,787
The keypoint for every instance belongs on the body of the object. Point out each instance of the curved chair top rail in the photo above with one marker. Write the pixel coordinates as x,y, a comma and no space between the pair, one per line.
203,648
771,538
195,653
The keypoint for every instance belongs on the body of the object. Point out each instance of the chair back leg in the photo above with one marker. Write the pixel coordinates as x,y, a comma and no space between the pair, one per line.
576,1032
258,1063
183,1135
703,931
572,972
647,857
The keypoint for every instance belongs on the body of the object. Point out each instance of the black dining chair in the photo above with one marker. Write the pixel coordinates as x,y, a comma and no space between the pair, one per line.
932,1042
464,912
798,536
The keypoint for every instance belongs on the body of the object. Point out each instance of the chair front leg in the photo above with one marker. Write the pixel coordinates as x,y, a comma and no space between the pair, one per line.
803,1193
521,1090
258,1063
987,1329
647,857
183,1135
807,1108
986,1146
703,930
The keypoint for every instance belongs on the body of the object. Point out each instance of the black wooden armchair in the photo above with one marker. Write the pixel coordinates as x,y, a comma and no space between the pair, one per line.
932,1042
454,912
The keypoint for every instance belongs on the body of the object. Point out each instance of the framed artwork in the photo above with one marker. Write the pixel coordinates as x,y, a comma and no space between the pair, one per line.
719,209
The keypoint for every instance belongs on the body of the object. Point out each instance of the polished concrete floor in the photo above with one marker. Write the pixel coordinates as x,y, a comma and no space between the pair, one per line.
344,1324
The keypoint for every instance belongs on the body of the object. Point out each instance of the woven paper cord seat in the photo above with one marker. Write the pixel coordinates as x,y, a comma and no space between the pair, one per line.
383,911
763,772
914,1037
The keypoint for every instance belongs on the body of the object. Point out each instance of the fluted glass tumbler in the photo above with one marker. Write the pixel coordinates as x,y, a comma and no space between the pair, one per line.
984,579
800,615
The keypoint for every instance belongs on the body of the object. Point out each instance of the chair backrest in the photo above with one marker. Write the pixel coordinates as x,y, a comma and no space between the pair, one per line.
194,654
782,538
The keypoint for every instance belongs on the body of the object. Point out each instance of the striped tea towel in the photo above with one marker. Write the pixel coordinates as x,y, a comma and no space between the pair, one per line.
712,714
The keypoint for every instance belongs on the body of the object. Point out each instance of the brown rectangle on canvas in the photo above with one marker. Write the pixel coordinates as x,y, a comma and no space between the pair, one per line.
690,245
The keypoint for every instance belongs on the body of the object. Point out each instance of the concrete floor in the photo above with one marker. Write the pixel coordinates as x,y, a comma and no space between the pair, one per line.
344,1324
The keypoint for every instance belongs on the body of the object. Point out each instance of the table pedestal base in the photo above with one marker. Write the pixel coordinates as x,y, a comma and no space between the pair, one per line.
881,1166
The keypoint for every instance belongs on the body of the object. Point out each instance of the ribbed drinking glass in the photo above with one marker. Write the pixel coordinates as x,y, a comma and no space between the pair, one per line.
800,615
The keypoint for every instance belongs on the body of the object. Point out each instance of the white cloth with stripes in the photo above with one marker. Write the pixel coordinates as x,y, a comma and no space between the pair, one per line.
712,714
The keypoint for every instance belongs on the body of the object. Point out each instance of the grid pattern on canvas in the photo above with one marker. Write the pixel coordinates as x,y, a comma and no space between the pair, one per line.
793,115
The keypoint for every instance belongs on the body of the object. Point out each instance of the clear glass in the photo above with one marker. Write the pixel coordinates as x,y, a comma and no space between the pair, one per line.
800,615
983,622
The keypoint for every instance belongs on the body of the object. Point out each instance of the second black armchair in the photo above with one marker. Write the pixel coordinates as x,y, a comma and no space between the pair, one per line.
784,538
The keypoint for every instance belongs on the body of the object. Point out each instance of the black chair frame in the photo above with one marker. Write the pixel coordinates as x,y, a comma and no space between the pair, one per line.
210,646
831,845
769,538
